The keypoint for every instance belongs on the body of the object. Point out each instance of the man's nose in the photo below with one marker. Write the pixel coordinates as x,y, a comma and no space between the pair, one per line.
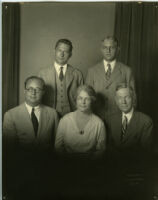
62,53
123,100
108,49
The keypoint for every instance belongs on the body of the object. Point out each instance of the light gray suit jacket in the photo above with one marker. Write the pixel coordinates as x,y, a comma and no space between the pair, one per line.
106,88
74,79
18,128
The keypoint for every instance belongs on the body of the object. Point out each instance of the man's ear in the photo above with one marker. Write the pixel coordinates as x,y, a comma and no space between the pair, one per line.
118,50
70,55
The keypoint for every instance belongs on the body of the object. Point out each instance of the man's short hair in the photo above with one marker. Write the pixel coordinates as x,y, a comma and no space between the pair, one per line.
34,77
113,38
132,91
65,41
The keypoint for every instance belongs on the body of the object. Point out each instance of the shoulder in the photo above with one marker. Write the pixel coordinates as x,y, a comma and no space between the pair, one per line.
95,67
50,110
74,70
97,120
145,119
45,69
123,67
14,112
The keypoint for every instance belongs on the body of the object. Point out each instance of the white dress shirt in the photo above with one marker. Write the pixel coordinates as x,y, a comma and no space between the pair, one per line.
111,63
37,110
128,115
57,68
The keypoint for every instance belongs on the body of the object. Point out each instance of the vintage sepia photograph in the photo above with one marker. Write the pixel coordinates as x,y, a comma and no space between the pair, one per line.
80,100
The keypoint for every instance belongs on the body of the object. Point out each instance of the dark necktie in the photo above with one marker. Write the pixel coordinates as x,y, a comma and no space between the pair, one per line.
61,75
108,72
124,127
34,121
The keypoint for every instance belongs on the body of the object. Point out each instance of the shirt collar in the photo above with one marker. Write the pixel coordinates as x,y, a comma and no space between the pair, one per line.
29,108
57,67
128,115
111,63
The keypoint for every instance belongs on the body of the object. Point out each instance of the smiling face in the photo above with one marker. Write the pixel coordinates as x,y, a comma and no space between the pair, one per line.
62,53
109,49
124,100
33,92
83,101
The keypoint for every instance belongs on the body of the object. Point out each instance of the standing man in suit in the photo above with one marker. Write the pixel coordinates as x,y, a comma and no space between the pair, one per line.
62,80
105,75
31,124
130,131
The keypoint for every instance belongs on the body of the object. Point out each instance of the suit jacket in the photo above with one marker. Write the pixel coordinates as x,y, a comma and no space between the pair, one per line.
138,136
74,79
18,128
106,88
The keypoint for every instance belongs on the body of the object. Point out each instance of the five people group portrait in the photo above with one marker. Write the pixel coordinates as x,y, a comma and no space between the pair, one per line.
95,118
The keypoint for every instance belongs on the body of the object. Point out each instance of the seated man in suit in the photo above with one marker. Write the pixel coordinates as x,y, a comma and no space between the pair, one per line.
28,140
105,75
62,80
130,131
31,124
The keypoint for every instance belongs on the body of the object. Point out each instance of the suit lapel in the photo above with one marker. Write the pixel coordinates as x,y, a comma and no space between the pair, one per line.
69,76
132,127
27,125
43,121
116,73
116,128
52,80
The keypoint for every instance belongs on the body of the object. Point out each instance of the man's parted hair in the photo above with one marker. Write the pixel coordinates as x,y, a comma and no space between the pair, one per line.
65,41
131,89
113,38
34,77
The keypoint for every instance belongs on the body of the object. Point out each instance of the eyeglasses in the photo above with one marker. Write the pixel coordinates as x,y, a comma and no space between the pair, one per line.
31,90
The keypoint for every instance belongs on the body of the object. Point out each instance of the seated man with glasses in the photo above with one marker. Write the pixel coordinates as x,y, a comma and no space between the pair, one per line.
31,124
28,141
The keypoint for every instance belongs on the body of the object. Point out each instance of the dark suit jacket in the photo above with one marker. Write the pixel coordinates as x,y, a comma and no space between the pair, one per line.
18,128
74,79
138,136
106,88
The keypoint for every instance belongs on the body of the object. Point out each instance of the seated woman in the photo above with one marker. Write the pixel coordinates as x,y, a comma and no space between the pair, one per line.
81,132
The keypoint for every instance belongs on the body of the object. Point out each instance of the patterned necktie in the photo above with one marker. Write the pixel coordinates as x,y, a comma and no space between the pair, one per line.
108,72
34,121
124,127
61,75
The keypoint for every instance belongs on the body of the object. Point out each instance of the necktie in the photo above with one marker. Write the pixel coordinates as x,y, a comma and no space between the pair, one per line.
34,121
124,127
61,75
108,72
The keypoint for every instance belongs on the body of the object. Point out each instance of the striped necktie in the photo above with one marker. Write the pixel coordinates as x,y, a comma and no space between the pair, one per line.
108,72
124,127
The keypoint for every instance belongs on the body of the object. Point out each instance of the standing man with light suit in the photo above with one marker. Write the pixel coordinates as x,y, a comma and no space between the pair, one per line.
62,80
105,75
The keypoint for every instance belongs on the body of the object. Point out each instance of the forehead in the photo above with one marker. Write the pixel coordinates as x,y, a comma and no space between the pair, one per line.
34,83
63,46
123,92
109,42
83,93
